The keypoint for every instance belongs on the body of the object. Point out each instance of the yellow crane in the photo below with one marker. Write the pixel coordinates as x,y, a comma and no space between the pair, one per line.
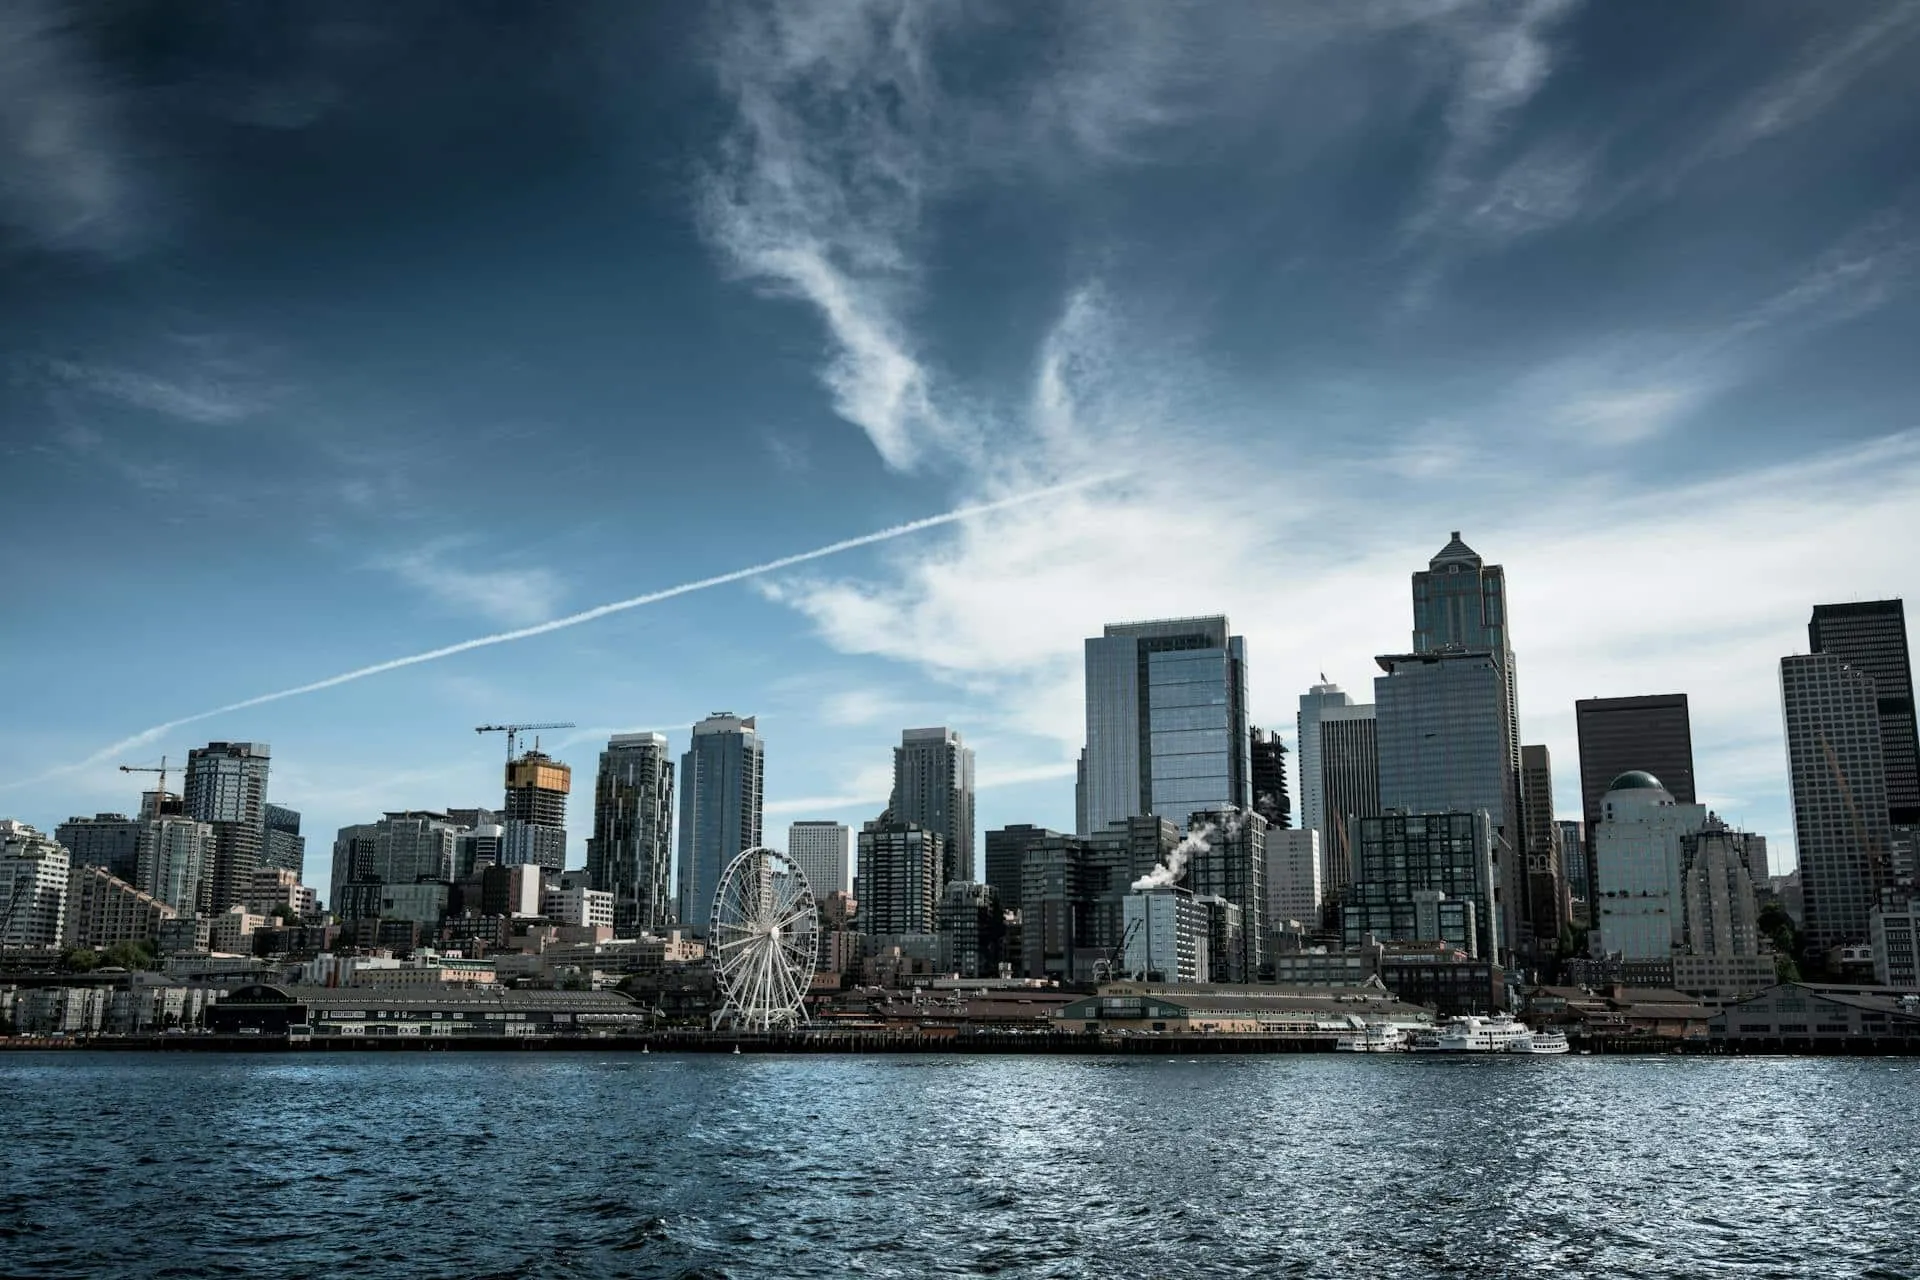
161,769
513,731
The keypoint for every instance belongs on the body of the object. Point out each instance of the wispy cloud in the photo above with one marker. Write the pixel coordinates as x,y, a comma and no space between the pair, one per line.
509,595
1825,71
205,401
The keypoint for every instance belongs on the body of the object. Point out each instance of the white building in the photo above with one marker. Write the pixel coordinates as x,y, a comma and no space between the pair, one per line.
824,853
1167,934
278,887
1640,912
578,905
1295,886
176,857
1895,928
33,887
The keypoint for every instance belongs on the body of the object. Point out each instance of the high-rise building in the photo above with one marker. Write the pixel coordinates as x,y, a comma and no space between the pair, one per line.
110,840
227,786
414,846
933,788
1549,908
1233,867
1840,808
1871,636
1648,734
1460,601
536,812
1295,886
1167,731
1721,916
176,854
103,909
1268,770
721,777
1571,836
355,849
1006,854
1073,893
1313,704
1168,933
1349,786
1425,877
284,848
1640,909
630,854
972,929
823,850
899,883
1443,725
33,887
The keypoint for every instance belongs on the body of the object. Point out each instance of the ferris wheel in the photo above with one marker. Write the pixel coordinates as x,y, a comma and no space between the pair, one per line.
763,939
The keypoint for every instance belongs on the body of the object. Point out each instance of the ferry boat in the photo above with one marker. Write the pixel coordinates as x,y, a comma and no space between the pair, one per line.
1542,1042
1375,1037
1473,1034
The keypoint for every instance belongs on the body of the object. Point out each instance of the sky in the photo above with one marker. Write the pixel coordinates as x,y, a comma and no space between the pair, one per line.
335,334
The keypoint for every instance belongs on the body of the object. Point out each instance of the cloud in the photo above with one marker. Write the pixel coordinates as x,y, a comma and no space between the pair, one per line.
512,596
203,401
64,180
1826,70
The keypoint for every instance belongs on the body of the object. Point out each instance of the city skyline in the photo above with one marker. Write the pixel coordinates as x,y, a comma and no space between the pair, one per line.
267,362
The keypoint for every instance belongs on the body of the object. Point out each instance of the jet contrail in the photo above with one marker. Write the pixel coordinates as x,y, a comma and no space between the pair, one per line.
586,615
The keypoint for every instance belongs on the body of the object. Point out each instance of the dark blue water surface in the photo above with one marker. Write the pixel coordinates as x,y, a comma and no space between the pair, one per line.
523,1164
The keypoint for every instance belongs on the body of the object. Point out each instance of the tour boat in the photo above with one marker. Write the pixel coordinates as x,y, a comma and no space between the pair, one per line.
1473,1034
1375,1037
1541,1042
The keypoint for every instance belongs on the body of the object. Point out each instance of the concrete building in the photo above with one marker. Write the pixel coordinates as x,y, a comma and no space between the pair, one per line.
1871,637
110,840
1313,810
1425,877
1073,894
1168,935
630,854
33,888
899,882
1268,772
972,929
579,906
103,909
231,931
722,776
175,861
1167,729
1295,887
475,844
275,887
1651,734
1443,723
185,933
1894,930
1840,808
536,812
1721,914
933,789
283,848
403,847
1639,910
823,850
226,786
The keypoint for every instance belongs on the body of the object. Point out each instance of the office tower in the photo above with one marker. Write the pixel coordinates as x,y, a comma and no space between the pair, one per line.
1871,636
1073,893
102,910
1349,786
823,851
227,786
1232,866
972,928
1313,704
1268,770
1295,887
1647,734
1425,877
536,812
1461,602
476,846
1721,916
630,854
1571,836
176,855
1168,936
1442,720
110,840
284,849
1549,909
1167,731
1639,909
1006,853
933,788
721,776
33,887
899,883
354,850
412,846
1839,781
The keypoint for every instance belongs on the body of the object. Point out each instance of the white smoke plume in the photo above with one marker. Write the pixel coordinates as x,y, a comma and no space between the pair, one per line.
145,736
1199,840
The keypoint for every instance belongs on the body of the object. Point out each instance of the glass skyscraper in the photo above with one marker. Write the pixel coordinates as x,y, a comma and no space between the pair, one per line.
629,854
1871,636
933,788
1839,780
721,777
1167,731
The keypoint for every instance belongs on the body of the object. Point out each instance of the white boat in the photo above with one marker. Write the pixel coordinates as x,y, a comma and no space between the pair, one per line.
1375,1037
1474,1034
1541,1042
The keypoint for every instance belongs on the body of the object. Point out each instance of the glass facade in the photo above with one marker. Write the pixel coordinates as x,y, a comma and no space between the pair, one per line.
1871,636
1839,781
721,776
1424,877
629,854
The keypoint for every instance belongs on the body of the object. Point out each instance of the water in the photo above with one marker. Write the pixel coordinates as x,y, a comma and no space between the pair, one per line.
518,1164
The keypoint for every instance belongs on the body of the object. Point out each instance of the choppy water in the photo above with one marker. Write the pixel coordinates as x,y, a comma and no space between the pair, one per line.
568,1165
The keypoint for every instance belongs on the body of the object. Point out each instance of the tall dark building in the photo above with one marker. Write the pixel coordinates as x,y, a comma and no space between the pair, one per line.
227,786
1006,851
1269,774
933,788
283,847
1650,734
110,840
630,854
1871,636
1350,781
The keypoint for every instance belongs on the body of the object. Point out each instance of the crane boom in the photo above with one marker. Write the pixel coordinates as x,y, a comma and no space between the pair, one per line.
513,731
160,769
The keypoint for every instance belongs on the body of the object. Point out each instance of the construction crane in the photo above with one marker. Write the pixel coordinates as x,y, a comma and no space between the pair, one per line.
1876,858
1112,960
513,732
161,795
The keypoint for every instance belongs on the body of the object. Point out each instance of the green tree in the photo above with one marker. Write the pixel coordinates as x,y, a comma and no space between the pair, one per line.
129,955
79,959
285,914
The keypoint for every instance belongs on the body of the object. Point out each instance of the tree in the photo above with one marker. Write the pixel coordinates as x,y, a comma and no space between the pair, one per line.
285,914
130,955
79,959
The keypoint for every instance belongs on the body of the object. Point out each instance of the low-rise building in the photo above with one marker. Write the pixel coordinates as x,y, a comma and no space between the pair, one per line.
1306,1012
1802,1015
442,1011
1895,929
103,910
232,930
1723,977
577,905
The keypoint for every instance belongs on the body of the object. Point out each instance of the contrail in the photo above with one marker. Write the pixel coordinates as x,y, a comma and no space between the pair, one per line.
585,615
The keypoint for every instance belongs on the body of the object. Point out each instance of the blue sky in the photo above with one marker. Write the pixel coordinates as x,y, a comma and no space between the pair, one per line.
335,333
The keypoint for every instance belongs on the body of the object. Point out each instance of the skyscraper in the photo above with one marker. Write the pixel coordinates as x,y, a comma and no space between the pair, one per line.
176,853
536,811
110,840
284,849
1425,877
227,786
33,887
1461,601
1839,781
1313,704
899,882
1548,908
933,788
1349,787
823,851
1294,878
1647,734
1167,731
1640,910
630,854
1233,867
721,776
1268,774
1871,636
1006,854
1443,722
